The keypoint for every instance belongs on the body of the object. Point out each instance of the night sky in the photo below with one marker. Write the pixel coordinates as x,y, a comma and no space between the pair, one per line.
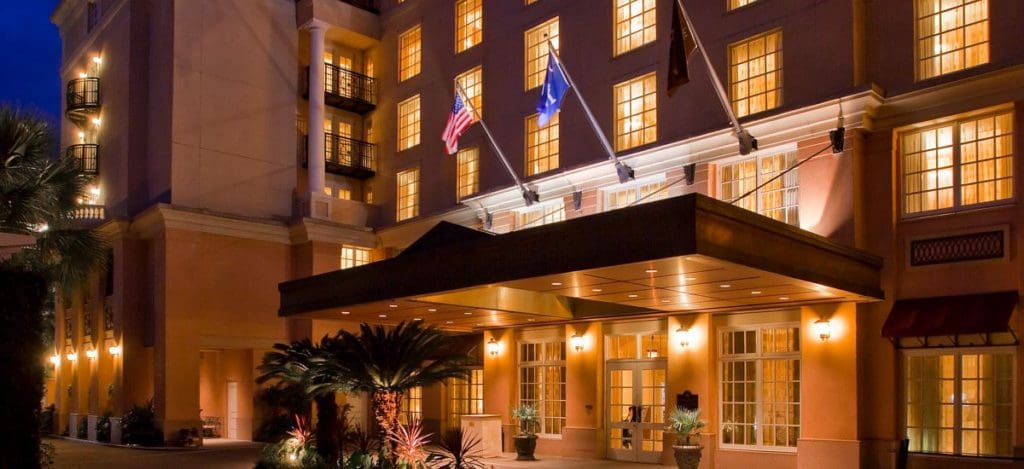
30,57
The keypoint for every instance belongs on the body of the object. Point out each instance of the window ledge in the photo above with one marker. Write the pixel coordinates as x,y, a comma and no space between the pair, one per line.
977,208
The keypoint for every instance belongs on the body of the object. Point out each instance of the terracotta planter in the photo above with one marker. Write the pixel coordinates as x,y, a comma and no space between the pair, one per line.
687,457
525,445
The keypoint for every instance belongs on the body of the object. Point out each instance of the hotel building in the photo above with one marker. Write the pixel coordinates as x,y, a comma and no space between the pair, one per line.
270,170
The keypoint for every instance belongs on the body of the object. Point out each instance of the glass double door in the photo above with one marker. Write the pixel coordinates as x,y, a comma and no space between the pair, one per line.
636,410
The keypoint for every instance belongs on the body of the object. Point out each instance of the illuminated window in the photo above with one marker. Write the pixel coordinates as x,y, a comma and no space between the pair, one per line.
961,163
634,24
536,42
465,397
469,24
542,215
636,112
542,383
408,202
951,35
755,73
412,406
352,256
531,2
760,404
468,172
959,402
409,51
409,123
734,4
541,145
636,346
472,83
779,199
646,190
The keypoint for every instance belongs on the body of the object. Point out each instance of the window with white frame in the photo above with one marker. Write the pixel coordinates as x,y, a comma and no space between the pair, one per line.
542,383
778,199
412,406
465,397
352,256
541,215
959,401
644,190
760,393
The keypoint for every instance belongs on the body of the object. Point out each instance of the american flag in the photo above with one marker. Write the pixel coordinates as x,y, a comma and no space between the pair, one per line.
458,121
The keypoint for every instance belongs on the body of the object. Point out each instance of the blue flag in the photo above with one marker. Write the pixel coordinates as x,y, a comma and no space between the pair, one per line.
552,93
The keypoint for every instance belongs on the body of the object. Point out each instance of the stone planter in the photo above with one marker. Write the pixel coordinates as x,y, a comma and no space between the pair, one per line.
525,446
687,457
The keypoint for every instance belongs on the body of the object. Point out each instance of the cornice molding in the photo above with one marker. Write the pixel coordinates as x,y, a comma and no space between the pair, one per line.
309,229
165,217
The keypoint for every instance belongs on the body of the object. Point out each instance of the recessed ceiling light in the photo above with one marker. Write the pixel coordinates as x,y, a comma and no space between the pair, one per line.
725,285
432,310
783,298
417,319
634,295
666,301
479,325
449,322
531,320
690,279
382,316
392,306
346,313
596,290
651,271
556,284
755,292
468,313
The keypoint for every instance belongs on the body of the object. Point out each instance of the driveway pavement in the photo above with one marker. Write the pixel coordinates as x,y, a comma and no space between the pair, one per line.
223,454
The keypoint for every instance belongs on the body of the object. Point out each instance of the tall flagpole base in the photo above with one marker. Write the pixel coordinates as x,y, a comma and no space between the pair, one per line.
625,172
530,197
747,142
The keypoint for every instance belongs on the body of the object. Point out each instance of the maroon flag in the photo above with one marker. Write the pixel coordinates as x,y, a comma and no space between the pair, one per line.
679,51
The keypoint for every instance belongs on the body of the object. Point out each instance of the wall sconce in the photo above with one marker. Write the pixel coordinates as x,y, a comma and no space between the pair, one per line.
83,75
97,60
91,354
72,357
97,121
55,359
577,342
685,337
823,328
492,347
114,349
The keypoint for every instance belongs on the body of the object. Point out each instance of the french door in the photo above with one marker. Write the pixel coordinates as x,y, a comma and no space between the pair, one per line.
636,410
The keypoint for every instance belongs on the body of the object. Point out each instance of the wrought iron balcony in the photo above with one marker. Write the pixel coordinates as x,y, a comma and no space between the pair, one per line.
83,98
87,212
368,5
346,156
348,90
87,155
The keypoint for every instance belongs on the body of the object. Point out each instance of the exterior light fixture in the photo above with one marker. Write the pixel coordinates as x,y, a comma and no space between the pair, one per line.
97,121
83,75
685,337
91,354
492,347
577,342
55,359
72,357
823,328
97,59
114,349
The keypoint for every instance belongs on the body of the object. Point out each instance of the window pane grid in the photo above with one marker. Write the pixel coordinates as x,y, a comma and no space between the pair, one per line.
472,83
986,159
409,52
635,24
408,194
546,214
779,199
354,257
952,35
466,397
755,74
468,171
409,123
536,51
469,24
636,112
542,383
412,406
734,4
541,145
624,196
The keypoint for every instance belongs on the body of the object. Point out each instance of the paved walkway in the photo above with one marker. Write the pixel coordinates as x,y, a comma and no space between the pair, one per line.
508,461
223,454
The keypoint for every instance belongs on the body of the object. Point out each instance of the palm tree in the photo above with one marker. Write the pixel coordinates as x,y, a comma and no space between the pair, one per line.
388,362
295,365
39,194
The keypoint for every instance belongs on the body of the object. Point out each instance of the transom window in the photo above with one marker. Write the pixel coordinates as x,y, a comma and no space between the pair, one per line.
408,202
779,199
545,214
957,164
412,406
952,35
734,4
536,47
755,73
541,145
465,397
468,172
542,383
472,83
646,190
410,50
636,112
637,346
469,24
352,256
635,24
409,123
960,401
760,387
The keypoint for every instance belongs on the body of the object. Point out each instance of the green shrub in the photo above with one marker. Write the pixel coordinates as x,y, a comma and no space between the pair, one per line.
83,427
103,427
138,426
46,419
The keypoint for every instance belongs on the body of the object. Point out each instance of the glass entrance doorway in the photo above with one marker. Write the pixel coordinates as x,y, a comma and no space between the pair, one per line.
636,398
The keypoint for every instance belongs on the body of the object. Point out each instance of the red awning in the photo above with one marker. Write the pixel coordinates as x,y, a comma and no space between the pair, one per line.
951,315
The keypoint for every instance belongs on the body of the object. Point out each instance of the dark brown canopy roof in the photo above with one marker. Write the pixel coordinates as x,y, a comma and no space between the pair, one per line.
951,315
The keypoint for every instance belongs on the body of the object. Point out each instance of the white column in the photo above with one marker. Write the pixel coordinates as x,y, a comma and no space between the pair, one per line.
316,108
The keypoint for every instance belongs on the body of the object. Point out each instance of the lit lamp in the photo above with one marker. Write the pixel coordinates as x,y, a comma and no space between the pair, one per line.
97,60
823,328
55,359
577,342
72,357
91,354
492,347
685,337
114,349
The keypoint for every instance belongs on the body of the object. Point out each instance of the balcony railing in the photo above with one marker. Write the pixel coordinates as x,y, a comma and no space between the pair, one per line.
83,98
90,212
346,156
87,155
368,5
348,90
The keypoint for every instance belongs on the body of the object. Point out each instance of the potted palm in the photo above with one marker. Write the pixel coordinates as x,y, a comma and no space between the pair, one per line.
526,439
686,423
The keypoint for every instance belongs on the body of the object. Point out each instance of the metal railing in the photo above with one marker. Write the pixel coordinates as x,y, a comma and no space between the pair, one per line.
345,151
83,94
87,155
345,83
90,212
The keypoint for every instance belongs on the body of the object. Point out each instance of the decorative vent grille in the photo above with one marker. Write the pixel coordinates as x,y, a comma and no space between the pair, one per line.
959,248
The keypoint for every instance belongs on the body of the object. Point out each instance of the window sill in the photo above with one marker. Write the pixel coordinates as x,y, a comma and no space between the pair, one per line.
961,457
757,449
972,209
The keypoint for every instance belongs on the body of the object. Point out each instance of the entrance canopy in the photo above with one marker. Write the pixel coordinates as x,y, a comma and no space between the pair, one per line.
688,253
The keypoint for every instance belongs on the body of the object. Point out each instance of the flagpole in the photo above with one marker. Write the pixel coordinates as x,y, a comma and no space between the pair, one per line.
747,141
529,196
625,172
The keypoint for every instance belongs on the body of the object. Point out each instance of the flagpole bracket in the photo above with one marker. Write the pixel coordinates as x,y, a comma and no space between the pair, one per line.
530,197
625,173
747,142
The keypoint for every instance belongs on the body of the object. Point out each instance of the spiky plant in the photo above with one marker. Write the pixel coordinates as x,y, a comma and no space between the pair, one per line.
457,450
410,444
686,423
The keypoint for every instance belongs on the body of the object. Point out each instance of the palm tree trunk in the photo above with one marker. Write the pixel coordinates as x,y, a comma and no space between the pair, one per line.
326,424
21,375
386,404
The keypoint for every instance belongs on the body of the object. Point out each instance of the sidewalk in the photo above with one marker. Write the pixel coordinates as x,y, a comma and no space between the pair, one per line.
508,461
